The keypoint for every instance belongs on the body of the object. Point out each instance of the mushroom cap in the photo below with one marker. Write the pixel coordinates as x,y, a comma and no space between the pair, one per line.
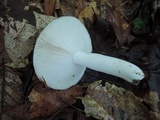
54,51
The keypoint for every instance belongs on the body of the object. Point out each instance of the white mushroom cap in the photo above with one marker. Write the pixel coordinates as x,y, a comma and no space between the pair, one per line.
54,51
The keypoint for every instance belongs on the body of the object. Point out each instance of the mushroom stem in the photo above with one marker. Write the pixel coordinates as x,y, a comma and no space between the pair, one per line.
109,65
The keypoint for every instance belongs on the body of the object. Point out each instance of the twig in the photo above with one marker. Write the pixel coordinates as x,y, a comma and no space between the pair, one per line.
77,109
55,114
63,108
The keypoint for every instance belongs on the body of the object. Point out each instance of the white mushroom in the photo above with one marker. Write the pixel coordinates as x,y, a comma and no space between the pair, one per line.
63,51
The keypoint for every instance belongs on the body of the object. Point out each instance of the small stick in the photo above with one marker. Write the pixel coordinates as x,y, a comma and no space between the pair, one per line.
56,114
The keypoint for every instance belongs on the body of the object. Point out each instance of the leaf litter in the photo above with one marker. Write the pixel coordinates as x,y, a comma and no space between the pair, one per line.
111,102
110,26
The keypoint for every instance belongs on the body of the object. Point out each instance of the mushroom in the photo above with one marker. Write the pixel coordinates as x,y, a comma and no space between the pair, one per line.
63,51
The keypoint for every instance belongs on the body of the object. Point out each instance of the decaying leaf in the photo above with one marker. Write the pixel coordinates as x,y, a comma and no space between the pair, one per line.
13,86
42,21
127,8
116,103
153,101
155,115
18,112
19,40
120,25
11,95
21,64
89,12
73,2
67,9
92,108
47,101
80,6
4,54
36,4
49,7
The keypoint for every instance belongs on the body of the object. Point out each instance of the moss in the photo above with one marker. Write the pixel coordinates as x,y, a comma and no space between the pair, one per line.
139,26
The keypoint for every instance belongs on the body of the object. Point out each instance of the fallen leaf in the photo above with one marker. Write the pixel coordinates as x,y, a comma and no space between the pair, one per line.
67,9
92,108
127,8
4,54
19,40
121,27
42,21
36,4
80,6
89,12
153,101
10,90
18,112
112,102
73,2
21,64
155,115
47,102
49,7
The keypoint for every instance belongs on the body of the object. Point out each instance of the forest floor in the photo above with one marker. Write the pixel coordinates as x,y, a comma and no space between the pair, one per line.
126,29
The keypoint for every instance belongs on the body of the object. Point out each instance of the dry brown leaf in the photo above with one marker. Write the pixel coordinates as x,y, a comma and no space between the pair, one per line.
18,112
94,109
112,102
47,101
153,101
13,87
80,6
120,25
155,115
67,9
49,7
12,92
19,40
73,2
127,8
89,12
